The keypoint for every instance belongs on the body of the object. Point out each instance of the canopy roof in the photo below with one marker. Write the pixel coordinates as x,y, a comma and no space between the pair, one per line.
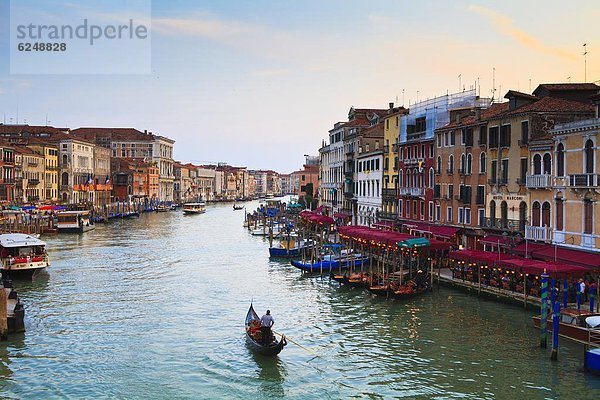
316,218
549,252
478,256
19,240
538,267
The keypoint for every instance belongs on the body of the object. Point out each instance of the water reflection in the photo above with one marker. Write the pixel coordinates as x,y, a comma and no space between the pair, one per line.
271,375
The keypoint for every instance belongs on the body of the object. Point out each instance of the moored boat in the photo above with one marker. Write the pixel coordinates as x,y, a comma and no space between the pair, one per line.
194,208
235,207
22,255
572,324
74,221
330,263
360,279
409,290
254,339
289,247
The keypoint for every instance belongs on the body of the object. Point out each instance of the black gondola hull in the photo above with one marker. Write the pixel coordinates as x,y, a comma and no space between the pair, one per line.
272,348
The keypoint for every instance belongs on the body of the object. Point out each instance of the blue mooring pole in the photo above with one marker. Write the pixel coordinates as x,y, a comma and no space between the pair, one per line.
565,293
544,311
555,326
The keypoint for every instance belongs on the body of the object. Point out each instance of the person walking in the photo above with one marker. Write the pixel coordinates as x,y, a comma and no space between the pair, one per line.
266,322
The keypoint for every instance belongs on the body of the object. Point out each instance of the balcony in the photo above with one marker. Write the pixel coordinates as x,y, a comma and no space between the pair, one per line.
411,191
463,172
514,225
387,216
48,185
538,233
388,194
413,161
542,181
449,171
32,164
8,181
584,180
33,182
502,181
349,195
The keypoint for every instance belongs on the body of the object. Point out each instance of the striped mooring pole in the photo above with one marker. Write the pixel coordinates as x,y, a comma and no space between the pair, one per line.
544,311
555,326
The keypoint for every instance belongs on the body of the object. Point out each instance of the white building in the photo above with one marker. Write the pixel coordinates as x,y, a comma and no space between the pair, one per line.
332,157
368,186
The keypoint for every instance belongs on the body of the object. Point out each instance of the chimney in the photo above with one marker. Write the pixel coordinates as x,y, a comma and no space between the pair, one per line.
391,104
145,131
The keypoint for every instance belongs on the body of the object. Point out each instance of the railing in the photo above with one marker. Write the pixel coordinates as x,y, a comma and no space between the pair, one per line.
539,233
33,181
411,191
32,164
505,224
584,180
387,216
8,181
413,161
502,181
538,181
463,171
48,185
388,193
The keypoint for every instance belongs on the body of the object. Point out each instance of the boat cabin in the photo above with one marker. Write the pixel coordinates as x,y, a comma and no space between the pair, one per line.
22,254
74,221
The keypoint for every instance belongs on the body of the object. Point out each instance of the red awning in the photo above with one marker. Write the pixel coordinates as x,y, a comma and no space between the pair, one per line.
439,245
549,252
538,267
527,247
342,215
372,236
316,218
568,256
444,231
495,240
478,256
441,231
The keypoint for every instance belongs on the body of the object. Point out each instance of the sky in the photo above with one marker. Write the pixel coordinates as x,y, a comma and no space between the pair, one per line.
260,83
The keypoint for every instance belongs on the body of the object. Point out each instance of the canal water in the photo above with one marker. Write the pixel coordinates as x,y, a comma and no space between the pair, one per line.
153,308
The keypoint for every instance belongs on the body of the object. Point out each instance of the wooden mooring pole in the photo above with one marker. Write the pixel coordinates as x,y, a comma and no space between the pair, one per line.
3,313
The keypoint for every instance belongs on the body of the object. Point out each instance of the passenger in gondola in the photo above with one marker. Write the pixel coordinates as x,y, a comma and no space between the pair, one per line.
420,279
266,322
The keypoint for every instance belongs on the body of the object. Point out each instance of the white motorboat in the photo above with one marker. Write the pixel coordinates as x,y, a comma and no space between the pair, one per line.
22,255
74,221
194,208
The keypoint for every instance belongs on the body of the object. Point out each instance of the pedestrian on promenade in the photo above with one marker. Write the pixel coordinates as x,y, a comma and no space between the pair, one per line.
266,322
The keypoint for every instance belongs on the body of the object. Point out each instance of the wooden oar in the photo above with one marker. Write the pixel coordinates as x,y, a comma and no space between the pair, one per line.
296,343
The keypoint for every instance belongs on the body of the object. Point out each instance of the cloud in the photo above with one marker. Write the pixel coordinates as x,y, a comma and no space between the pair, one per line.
504,24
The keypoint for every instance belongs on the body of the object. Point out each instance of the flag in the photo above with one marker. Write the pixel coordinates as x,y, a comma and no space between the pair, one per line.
107,180
89,180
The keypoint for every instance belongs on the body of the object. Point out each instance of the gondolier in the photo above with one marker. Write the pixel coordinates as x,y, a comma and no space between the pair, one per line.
266,322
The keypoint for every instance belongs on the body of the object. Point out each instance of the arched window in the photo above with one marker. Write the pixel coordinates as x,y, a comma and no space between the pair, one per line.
416,178
547,162
65,178
589,157
408,179
431,177
559,214
493,212
469,163
588,216
522,215
546,214
535,214
482,162
439,165
504,214
451,163
537,164
65,159
560,160
462,163
400,178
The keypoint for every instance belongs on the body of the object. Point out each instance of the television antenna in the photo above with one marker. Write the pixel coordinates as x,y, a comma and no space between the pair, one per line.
585,62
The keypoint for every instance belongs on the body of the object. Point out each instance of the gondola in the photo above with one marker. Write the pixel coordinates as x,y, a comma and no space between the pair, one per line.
237,207
408,290
253,331
352,280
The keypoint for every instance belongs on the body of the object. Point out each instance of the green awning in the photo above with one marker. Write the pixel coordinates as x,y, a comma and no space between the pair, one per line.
413,243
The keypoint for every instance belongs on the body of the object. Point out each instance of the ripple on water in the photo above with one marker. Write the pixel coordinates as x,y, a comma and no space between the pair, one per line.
154,307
